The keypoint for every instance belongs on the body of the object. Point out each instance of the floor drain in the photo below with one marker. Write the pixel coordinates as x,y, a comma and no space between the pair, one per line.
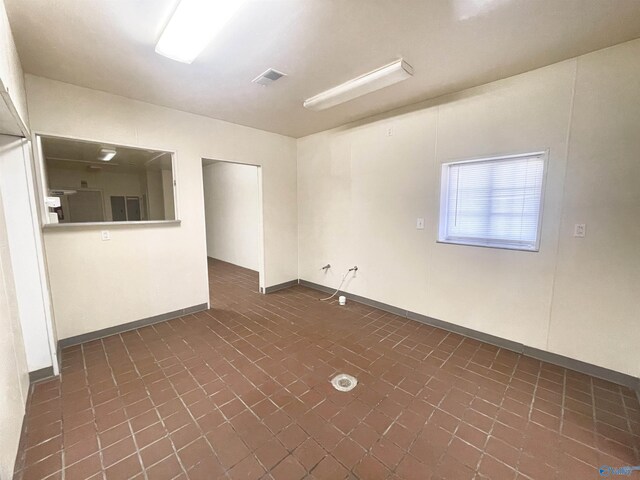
344,382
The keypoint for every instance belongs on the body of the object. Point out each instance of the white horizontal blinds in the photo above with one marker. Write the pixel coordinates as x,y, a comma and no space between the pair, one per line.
495,202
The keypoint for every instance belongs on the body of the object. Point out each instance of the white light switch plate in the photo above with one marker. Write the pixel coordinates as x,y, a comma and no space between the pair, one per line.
105,235
420,223
579,230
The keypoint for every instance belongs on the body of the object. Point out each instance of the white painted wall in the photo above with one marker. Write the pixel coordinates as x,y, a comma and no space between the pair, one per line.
360,192
14,376
231,204
11,81
596,302
149,270
24,238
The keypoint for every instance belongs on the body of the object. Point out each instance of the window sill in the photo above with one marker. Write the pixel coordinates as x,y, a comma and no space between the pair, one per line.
103,225
484,245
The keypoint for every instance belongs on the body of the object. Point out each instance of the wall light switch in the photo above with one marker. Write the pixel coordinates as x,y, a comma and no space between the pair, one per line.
579,230
420,223
105,235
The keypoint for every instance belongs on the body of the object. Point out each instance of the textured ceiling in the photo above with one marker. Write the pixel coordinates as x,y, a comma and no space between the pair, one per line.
452,44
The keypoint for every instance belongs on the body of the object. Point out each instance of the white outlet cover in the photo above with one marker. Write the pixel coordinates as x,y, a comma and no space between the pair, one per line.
579,230
105,235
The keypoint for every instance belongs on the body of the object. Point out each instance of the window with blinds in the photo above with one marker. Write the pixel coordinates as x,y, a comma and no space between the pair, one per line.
493,202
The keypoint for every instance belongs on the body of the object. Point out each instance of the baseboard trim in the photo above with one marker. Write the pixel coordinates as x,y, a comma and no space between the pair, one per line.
59,356
584,367
280,286
18,463
543,355
41,374
467,332
125,327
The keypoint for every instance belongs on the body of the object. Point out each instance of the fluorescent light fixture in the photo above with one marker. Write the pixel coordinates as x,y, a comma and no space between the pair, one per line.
369,82
192,27
106,154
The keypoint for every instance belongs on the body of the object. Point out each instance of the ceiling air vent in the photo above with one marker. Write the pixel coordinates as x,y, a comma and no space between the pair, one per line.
268,77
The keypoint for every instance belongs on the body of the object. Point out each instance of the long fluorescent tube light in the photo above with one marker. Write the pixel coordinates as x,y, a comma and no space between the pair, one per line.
192,27
369,82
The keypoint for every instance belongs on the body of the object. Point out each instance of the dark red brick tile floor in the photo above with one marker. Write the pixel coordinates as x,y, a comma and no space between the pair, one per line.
242,391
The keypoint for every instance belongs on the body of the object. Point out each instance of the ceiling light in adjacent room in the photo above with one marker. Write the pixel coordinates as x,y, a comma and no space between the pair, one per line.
369,82
192,27
106,154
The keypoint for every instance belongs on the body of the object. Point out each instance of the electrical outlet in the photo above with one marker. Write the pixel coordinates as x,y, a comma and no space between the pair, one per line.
390,132
105,235
420,223
579,230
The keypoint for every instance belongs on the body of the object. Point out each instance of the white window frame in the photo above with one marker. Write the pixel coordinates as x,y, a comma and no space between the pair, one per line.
488,243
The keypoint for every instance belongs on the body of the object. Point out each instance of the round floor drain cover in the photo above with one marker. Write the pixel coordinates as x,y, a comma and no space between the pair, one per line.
344,382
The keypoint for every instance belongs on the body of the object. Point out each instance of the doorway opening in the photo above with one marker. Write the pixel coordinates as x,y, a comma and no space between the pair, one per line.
234,226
